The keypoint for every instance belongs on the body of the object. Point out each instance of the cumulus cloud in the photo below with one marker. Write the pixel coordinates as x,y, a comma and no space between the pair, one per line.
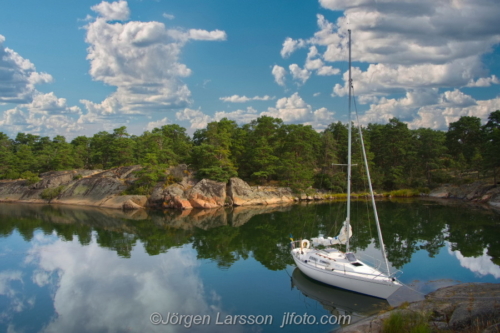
46,115
291,109
279,74
240,116
299,74
484,81
428,108
141,59
410,48
156,124
294,109
290,45
388,78
198,119
18,76
243,99
117,10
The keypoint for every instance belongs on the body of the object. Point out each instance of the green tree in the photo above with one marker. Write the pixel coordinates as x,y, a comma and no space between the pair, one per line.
492,143
121,148
431,151
212,152
298,155
463,137
81,148
7,157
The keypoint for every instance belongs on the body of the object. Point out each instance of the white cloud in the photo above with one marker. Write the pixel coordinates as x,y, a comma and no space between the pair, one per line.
46,115
117,10
279,75
289,109
198,119
301,75
141,59
198,34
327,70
168,16
156,124
50,104
240,116
428,108
18,76
484,81
243,99
411,48
387,78
290,45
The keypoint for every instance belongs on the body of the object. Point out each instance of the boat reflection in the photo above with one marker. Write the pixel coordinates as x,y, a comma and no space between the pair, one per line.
338,301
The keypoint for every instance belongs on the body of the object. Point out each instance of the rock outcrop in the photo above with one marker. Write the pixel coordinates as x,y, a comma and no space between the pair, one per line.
207,194
465,307
78,187
475,192
180,190
242,194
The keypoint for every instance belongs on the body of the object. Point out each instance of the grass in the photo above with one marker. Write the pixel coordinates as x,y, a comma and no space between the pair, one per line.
405,193
407,321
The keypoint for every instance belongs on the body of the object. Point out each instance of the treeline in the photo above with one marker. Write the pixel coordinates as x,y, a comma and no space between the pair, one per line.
267,151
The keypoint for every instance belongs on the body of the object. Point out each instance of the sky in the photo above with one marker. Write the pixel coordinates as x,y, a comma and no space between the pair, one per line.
80,67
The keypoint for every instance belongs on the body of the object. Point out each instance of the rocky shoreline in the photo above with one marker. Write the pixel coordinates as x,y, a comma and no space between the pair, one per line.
477,192
468,307
105,188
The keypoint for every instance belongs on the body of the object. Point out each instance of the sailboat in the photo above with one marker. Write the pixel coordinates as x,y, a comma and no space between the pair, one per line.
343,269
338,301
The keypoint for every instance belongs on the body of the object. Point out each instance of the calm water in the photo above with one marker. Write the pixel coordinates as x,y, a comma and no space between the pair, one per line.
67,269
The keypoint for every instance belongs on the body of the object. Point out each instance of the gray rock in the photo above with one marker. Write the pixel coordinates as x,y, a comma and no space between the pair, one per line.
243,194
207,194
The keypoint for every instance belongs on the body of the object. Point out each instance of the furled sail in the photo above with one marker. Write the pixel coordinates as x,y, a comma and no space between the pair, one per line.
340,239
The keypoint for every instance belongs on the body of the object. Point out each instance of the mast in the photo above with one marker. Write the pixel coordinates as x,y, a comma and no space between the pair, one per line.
348,217
379,231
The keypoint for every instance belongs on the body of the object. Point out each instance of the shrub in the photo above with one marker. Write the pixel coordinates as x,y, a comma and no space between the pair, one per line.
31,178
77,176
51,193
404,193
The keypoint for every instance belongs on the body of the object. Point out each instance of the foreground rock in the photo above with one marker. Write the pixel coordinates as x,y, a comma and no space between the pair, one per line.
474,192
461,308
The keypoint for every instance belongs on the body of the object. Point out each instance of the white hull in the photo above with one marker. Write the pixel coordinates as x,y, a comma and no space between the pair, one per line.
377,285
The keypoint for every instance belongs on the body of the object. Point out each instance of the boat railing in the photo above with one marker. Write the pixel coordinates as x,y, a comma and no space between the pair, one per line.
396,274
374,262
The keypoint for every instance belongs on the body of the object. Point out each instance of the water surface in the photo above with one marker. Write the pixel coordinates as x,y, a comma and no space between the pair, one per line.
74,269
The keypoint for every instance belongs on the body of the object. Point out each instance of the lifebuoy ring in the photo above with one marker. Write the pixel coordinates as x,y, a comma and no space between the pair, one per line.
305,244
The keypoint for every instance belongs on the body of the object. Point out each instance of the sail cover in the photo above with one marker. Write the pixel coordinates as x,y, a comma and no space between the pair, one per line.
340,239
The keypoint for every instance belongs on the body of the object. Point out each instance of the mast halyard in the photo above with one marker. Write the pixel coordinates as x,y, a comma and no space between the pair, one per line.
348,218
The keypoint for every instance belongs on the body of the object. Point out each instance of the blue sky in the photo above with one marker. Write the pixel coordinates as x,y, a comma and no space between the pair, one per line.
77,68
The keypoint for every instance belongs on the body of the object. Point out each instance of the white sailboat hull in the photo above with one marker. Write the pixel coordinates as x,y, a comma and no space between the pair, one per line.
378,286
